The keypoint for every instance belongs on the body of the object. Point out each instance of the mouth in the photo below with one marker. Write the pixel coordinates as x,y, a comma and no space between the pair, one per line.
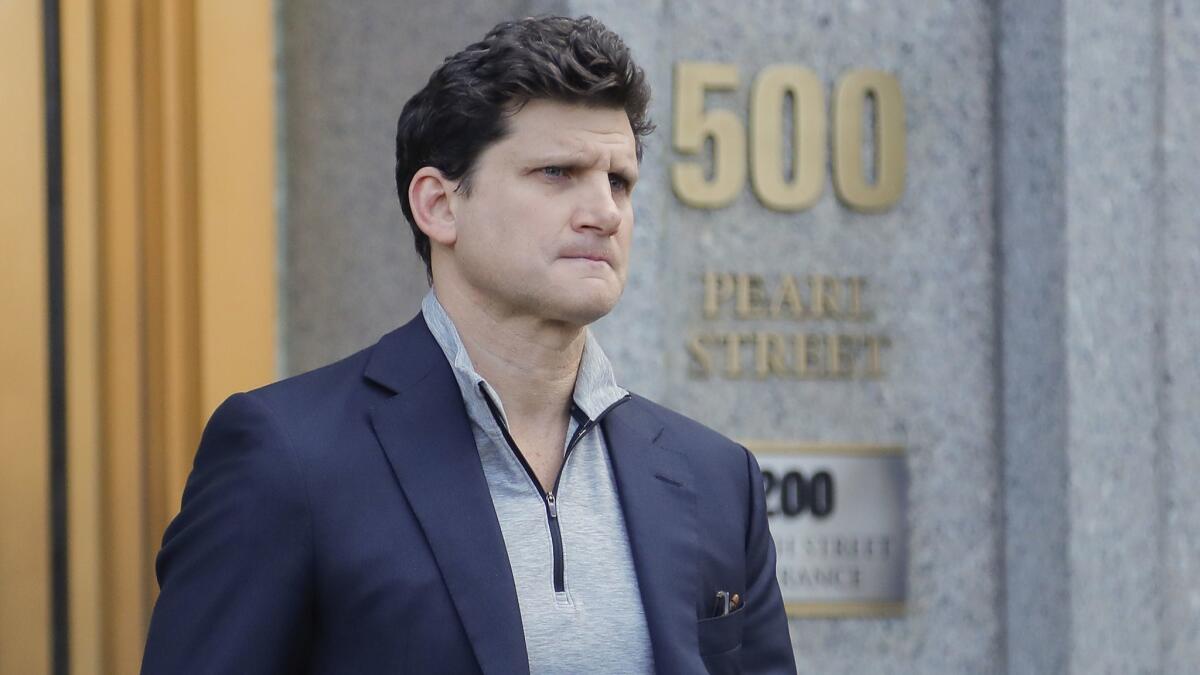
590,256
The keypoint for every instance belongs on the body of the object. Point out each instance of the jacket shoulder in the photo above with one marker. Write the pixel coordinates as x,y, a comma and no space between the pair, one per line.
323,403
306,391
693,438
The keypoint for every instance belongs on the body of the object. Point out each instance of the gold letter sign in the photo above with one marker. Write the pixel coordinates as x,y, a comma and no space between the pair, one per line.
694,126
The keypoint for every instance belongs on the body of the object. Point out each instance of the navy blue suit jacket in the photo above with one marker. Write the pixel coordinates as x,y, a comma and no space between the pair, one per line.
340,522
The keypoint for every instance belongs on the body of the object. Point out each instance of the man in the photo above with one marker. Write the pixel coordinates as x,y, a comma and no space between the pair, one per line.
475,493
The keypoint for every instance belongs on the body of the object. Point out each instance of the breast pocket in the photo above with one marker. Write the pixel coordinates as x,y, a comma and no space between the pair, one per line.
721,634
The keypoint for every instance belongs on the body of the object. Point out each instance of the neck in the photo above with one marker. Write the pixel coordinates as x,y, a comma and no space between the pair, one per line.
532,363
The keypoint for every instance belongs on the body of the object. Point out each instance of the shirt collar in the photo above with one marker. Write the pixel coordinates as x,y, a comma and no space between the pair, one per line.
595,384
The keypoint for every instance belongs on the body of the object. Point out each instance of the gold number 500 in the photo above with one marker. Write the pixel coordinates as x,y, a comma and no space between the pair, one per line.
694,125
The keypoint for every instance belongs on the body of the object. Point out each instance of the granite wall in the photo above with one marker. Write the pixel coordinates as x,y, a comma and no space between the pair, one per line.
1037,284
349,272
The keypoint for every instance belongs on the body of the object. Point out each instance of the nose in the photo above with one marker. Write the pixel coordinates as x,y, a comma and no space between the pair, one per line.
598,210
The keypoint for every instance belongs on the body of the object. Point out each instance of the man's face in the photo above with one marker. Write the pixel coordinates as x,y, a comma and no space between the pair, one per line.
546,229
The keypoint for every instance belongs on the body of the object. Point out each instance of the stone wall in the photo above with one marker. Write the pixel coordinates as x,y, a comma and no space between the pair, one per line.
349,271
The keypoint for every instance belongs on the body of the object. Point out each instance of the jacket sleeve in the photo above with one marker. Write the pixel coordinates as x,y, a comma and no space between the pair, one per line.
766,642
235,568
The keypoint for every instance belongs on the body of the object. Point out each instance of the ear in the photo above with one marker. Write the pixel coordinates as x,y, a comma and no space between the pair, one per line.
431,197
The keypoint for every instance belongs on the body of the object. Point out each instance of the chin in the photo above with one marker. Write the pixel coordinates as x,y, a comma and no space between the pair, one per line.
584,308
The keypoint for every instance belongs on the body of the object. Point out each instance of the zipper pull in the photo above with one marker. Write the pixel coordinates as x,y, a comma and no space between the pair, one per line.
552,505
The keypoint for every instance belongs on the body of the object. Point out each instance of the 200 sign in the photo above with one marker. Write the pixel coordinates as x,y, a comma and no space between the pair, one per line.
793,494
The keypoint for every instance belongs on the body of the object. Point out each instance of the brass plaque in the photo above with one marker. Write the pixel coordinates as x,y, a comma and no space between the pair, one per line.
838,514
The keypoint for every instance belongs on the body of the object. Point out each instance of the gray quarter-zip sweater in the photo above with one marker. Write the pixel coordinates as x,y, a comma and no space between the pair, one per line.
569,552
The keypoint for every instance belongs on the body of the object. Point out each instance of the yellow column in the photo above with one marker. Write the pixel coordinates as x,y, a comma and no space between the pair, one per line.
77,25
236,145
170,258
24,396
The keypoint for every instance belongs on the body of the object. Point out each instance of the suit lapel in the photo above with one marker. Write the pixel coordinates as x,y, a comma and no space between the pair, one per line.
654,484
426,435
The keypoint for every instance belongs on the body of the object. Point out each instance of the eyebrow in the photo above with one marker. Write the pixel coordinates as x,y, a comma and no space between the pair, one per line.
570,160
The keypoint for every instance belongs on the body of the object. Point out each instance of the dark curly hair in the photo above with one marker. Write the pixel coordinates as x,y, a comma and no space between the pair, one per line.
464,106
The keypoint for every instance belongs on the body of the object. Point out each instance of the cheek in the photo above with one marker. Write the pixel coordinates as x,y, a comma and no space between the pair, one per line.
625,235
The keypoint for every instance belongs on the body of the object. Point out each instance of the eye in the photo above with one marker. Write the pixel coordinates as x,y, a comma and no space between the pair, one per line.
554,172
618,182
